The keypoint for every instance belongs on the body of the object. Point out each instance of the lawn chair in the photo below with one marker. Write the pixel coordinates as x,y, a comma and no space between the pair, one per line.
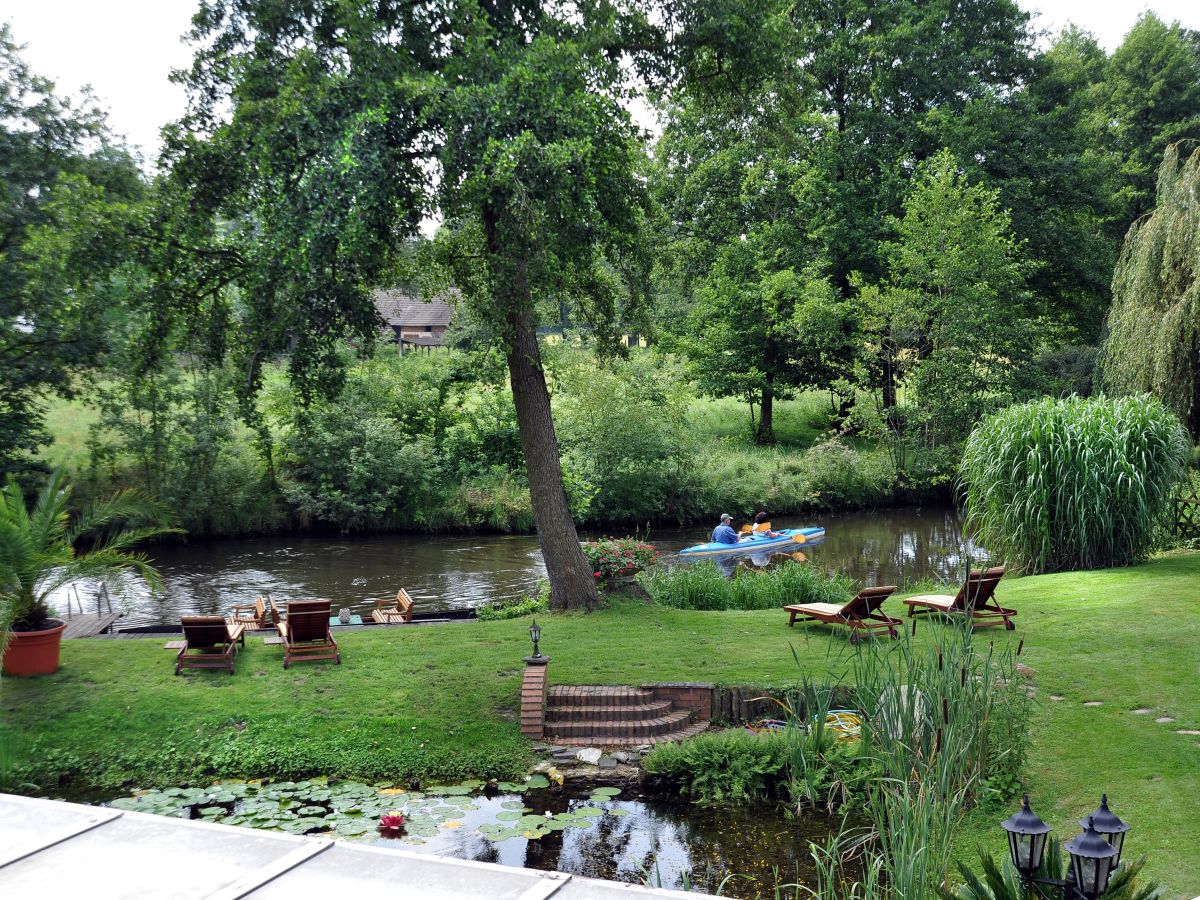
861,613
305,632
975,598
394,612
256,617
209,643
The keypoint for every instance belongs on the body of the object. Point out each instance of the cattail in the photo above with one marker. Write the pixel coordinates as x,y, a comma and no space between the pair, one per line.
1020,646
914,628
962,677
945,710
937,748
939,660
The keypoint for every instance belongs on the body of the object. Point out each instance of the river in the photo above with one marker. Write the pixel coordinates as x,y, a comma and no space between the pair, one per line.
887,546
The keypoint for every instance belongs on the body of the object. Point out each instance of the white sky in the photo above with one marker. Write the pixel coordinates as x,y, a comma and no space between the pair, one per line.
125,49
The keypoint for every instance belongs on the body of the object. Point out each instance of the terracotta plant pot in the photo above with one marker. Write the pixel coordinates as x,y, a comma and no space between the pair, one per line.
34,652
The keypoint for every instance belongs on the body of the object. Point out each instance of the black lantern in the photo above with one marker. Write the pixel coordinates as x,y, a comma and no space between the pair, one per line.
535,632
1026,839
1092,859
1109,826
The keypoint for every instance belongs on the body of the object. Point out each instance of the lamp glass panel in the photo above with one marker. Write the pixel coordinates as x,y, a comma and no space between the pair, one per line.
1118,841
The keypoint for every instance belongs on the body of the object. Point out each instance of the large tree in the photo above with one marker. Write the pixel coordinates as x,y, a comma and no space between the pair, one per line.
323,132
1153,341
66,191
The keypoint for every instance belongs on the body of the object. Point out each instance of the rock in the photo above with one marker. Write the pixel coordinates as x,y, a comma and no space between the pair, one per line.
590,755
622,757
1142,711
1093,703
1164,720
562,754
643,749
1025,671
1057,697
1187,731
607,762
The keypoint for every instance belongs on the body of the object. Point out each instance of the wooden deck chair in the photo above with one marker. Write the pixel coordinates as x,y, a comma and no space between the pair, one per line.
209,642
305,632
861,613
975,598
394,612
256,617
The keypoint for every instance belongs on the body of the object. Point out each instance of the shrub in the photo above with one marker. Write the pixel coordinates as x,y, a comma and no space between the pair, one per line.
518,606
616,557
1056,485
703,586
498,500
840,477
733,766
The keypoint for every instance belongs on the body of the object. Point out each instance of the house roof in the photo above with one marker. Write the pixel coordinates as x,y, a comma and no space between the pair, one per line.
399,308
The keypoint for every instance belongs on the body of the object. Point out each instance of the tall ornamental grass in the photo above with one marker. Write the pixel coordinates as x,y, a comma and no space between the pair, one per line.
703,586
1079,483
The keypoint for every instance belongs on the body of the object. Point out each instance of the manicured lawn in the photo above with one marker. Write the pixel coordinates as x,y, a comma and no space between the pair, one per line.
440,700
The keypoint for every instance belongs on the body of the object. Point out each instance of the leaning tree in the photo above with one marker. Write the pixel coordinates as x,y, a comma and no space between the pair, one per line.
1153,341
320,135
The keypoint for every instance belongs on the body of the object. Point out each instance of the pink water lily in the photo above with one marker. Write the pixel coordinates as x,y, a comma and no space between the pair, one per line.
392,821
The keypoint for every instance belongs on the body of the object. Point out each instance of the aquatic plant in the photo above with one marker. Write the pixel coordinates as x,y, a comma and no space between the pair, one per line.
1056,485
703,586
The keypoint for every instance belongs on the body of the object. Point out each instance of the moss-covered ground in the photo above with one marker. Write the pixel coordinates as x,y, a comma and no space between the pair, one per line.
439,700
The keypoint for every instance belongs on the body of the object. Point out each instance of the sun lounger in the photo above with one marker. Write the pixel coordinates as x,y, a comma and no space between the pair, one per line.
209,643
305,633
861,613
975,598
394,612
257,616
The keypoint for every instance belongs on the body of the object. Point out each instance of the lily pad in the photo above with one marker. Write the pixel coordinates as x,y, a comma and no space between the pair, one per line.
311,810
352,828
537,782
605,792
590,812
510,815
210,812
512,804
509,787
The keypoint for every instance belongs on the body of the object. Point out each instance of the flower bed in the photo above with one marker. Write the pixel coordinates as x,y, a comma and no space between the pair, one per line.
619,557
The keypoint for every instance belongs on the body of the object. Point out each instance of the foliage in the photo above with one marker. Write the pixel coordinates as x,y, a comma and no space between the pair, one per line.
1153,342
1073,484
517,606
65,211
1002,882
703,586
615,557
725,767
840,477
38,545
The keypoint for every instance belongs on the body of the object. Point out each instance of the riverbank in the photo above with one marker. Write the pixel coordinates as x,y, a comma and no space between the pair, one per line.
440,701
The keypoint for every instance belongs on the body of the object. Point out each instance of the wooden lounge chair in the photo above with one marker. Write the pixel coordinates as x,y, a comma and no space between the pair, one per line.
305,632
209,643
861,613
394,612
975,598
256,617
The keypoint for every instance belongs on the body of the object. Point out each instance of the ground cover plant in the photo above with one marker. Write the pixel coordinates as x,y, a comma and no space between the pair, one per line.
439,701
1075,483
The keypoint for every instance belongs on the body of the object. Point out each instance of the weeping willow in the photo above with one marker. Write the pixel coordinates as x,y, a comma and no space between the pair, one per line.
1153,342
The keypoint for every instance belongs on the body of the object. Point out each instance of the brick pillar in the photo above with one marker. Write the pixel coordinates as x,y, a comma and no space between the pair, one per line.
533,697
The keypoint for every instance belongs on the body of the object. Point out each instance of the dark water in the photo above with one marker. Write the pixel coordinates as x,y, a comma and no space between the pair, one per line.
892,546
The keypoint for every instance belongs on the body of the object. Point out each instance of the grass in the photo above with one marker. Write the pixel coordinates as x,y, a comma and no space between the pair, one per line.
798,423
70,422
440,700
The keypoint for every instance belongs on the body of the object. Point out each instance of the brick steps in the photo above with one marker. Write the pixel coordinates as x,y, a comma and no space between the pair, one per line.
608,716
631,713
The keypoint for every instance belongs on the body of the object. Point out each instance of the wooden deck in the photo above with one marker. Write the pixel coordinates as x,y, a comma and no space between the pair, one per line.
88,624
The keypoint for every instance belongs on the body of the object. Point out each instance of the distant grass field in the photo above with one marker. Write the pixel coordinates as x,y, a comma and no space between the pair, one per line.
798,423
69,421
440,700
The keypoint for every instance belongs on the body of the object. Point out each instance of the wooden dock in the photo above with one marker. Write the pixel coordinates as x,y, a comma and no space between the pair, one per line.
84,625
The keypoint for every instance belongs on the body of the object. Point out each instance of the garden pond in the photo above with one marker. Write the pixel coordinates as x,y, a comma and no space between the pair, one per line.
599,832
441,572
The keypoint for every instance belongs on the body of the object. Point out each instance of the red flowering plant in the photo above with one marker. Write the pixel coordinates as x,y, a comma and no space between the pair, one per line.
619,557
392,821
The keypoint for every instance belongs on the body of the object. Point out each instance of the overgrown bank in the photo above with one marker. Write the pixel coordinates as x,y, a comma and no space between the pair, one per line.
440,700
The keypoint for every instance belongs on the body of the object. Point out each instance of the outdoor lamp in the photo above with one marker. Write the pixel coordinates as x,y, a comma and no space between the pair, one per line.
1092,860
1109,826
1026,838
535,632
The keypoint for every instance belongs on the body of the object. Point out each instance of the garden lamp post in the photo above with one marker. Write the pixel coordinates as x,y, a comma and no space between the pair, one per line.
1094,854
535,632
1109,826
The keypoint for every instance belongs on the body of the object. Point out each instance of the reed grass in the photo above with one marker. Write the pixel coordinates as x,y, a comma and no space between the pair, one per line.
703,586
1061,485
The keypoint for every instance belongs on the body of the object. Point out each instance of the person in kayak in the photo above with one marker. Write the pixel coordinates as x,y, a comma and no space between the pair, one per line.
762,526
724,533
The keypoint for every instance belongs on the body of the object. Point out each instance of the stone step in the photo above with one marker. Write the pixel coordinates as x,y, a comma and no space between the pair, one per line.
560,711
597,695
607,730
603,742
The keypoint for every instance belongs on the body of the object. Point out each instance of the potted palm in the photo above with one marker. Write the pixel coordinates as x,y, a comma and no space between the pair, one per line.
38,555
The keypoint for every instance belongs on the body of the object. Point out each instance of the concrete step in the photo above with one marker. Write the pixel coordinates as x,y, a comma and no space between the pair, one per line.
603,730
560,711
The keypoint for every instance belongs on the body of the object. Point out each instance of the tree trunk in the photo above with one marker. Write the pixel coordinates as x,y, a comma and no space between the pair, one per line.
572,585
766,423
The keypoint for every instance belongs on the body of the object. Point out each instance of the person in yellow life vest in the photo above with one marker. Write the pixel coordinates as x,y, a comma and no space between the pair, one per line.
762,526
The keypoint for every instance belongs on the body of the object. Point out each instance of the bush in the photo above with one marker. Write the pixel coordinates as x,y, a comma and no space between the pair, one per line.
1058,485
498,500
840,477
613,558
516,607
725,767
703,586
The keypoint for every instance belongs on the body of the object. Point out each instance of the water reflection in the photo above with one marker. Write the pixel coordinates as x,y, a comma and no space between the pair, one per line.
458,572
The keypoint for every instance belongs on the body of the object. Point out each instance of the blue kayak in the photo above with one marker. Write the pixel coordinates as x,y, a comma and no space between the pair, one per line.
790,537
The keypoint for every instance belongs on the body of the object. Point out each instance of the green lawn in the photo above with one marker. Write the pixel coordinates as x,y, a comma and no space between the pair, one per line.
440,700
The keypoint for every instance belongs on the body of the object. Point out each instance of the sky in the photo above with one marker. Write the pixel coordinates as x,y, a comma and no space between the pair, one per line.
126,49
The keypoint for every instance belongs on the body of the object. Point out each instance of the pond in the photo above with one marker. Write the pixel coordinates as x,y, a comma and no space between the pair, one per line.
603,832
441,572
